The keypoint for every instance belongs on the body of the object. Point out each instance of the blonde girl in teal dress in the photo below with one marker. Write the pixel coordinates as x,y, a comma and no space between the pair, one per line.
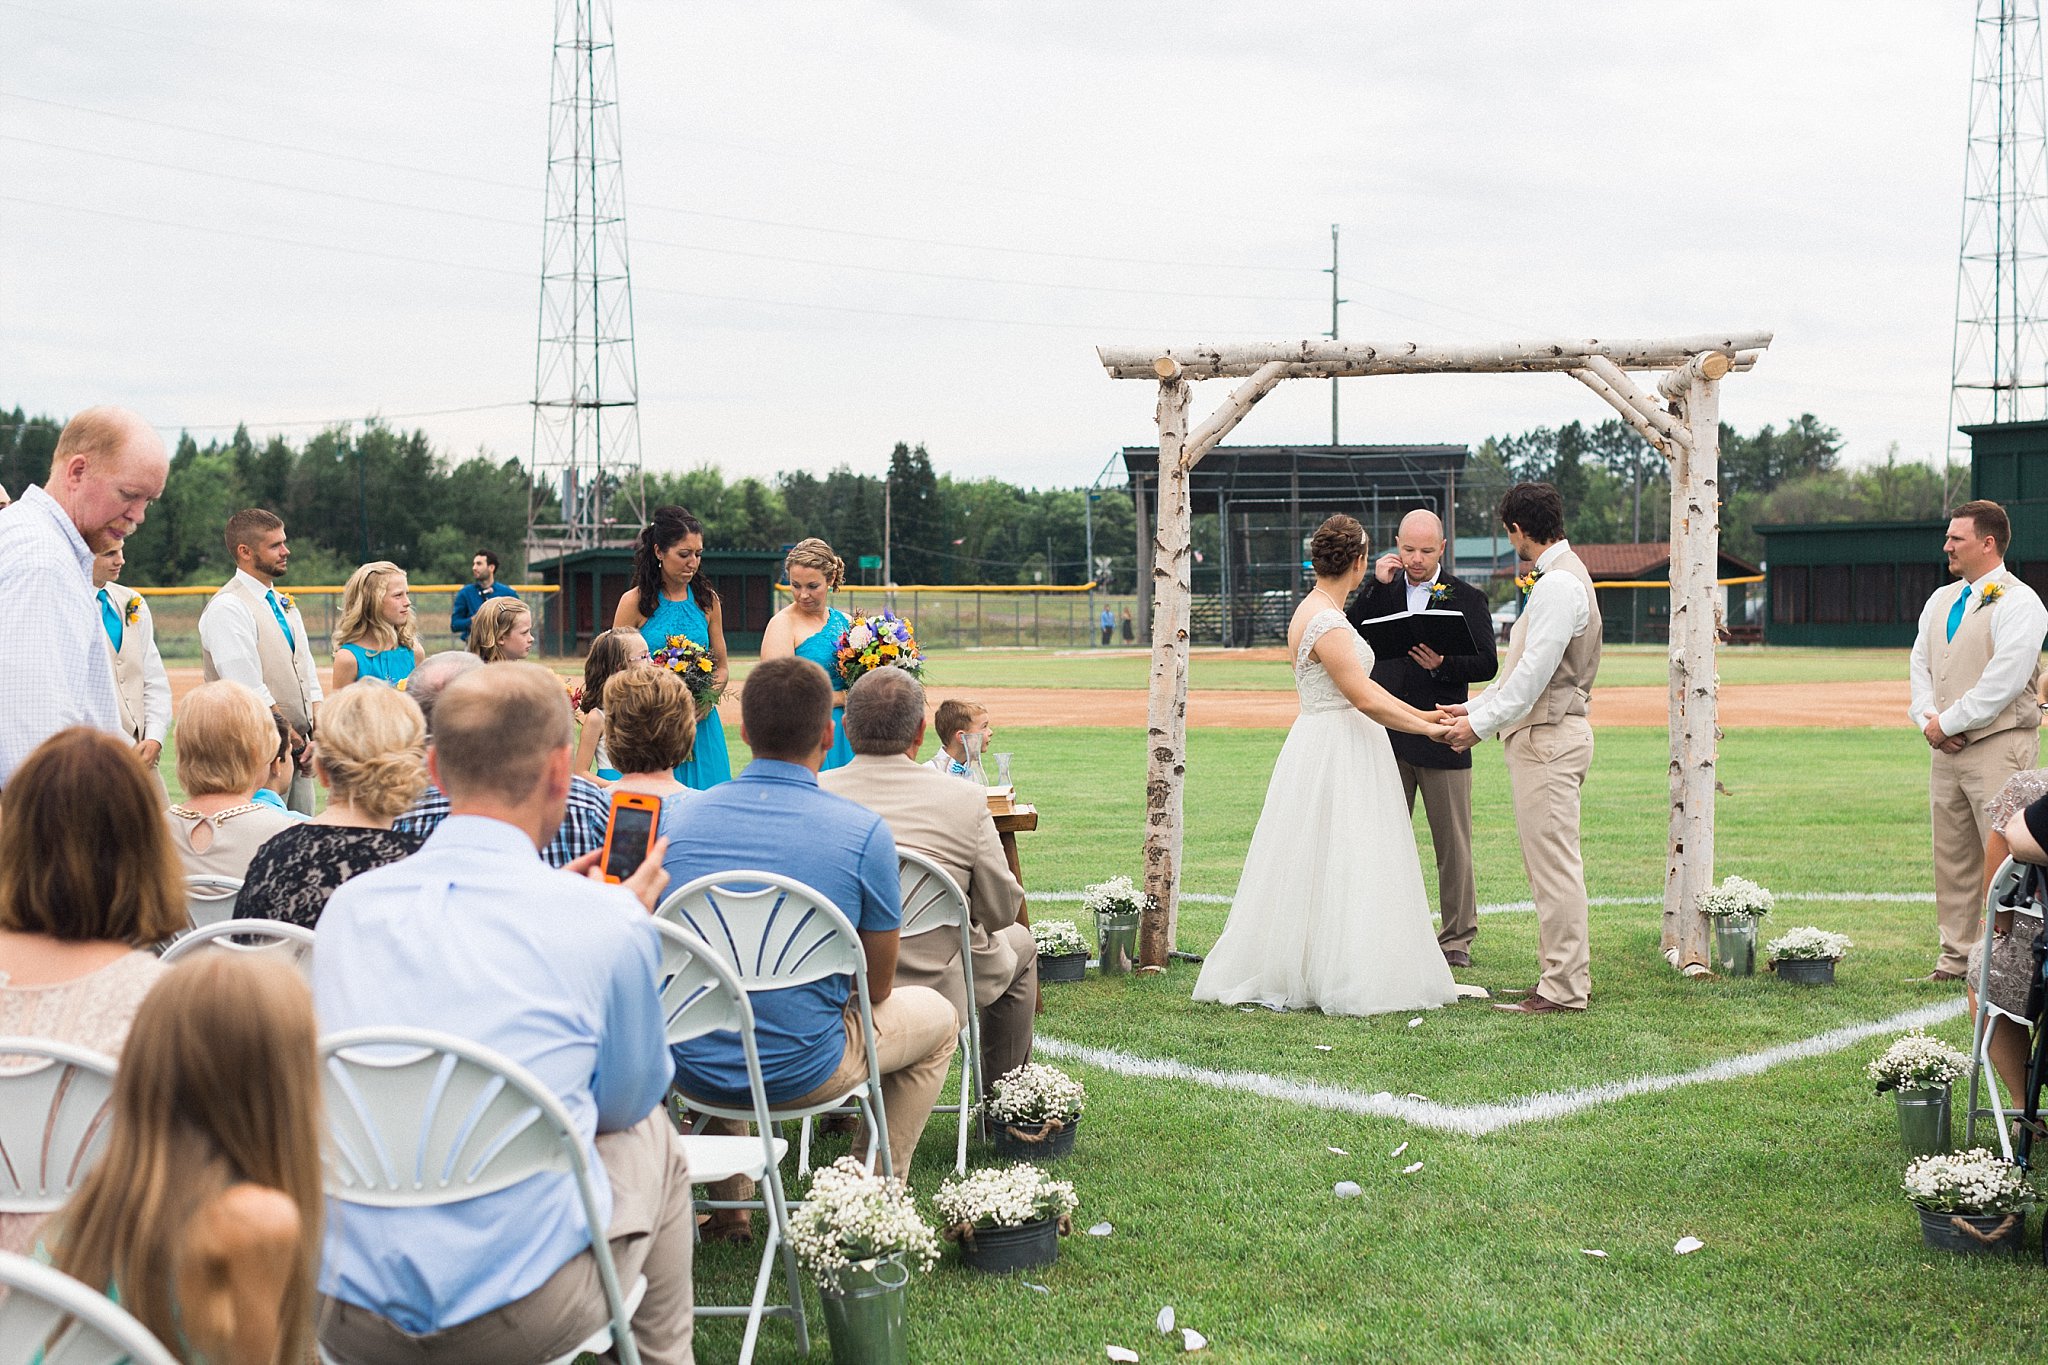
378,635
669,597
810,627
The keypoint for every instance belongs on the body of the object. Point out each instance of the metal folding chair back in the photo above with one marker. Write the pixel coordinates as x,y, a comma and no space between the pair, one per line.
209,900
271,938
2019,889
933,903
48,1318
418,1118
54,1121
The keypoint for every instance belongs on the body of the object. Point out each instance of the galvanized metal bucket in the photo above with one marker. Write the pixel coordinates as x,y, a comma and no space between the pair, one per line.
1806,971
1002,1251
1971,1233
1735,944
1924,1127
864,1315
1118,935
1062,967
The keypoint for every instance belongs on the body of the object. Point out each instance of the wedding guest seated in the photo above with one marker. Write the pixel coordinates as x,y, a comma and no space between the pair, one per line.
947,821
652,726
955,722
582,829
75,924
501,631
202,1217
372,758
475,936
277,782
2018,831
612,651
226,738
774,817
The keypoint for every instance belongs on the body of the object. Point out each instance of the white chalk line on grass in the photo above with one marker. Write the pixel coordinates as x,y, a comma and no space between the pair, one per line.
1524,907
1478,1120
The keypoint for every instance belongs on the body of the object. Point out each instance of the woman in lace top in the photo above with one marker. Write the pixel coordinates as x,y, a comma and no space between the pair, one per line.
372,758
75,924
2012,944
225,740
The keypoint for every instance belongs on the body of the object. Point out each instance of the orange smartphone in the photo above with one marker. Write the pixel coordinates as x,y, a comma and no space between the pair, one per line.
629,834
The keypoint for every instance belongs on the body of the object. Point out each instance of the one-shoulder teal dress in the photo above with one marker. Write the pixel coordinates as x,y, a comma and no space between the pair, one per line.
392,665
709,764
822,649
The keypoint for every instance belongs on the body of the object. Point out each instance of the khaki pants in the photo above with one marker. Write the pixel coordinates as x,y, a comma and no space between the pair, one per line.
650,1235
1009,1007
1546,768
1447,800
300,795
1959,786
916,1035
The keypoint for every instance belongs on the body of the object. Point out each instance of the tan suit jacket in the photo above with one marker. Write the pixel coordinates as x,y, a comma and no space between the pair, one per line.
947,820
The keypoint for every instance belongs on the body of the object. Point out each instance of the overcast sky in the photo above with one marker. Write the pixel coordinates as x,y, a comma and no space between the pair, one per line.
860,222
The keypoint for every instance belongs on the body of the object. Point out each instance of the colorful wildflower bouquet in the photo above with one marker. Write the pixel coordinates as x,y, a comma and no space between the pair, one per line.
884,640
692,663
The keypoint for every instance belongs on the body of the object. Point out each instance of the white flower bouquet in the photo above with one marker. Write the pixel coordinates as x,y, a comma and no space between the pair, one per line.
1808,944
1058,938
1915,1061
1035,1093
1003,1197
852,1219
1117,896
1972,1182
1736,896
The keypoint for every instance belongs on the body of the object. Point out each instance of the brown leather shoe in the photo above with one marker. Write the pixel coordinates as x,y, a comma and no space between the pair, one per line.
1536,1004
1457,957
1938,975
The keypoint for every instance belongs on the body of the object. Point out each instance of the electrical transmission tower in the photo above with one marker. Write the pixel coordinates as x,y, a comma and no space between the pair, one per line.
1999,371
585,466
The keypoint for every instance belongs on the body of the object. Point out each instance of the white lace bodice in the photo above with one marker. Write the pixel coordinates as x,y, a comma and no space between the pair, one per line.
1311,680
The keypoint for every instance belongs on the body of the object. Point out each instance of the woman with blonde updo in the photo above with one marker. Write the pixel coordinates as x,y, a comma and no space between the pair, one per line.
373,761
501,631
378,636
226,738
810,627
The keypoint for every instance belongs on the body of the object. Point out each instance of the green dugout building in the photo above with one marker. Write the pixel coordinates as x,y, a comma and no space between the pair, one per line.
1864,583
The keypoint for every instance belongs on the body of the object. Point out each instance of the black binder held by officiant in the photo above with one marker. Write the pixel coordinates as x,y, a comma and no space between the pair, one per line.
1443,630
1380,612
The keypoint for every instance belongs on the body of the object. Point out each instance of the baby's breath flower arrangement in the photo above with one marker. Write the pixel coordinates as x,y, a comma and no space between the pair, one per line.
1003,1197
1808,944
1735,896
1117,896
1917,1062
852,1219
1972,1182
1058,938
1035,1093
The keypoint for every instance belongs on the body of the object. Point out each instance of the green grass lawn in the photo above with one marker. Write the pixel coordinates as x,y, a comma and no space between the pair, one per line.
1222,1203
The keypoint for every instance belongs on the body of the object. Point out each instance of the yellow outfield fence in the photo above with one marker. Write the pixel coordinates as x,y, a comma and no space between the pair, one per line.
539,589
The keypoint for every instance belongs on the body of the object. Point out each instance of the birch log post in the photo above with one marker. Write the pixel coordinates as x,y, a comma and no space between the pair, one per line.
1166,711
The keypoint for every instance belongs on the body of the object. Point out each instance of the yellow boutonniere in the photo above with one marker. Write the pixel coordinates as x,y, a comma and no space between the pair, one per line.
284,603
1990,593
1440,592
133,612
1527,581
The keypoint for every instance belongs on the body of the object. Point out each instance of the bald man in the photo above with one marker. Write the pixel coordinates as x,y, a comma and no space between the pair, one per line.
1412,577
109,465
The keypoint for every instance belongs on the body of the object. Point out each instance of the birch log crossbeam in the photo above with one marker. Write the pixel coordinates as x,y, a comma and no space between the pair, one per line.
1687,433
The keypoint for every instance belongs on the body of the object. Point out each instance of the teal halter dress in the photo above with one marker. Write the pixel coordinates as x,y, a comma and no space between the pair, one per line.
392,665
709,764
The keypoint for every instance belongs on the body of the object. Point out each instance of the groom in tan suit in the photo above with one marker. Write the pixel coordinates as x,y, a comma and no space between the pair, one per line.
253,634
1538,707
1976,662
947,820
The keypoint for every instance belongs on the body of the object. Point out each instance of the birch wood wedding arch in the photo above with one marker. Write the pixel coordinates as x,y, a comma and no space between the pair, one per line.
1685,429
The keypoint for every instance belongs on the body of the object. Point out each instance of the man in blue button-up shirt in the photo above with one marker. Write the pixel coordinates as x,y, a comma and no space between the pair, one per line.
470,598
475,936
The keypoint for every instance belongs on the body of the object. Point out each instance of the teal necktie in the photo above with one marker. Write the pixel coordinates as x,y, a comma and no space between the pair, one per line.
111,617
1955,613
291,642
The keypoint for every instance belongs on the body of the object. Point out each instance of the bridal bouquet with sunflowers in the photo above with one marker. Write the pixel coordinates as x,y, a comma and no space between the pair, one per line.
692,663
884,640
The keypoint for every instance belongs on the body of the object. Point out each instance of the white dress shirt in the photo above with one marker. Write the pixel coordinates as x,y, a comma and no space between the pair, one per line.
2019,622
1418,593
156,688
53,659
1557,610
228,632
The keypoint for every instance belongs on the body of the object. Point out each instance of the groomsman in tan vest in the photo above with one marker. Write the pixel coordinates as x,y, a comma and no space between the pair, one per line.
252,634
140,683
1538,707
1976,661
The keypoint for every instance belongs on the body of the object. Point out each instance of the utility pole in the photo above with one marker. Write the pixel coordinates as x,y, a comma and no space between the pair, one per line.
1332,333
888,511
362,506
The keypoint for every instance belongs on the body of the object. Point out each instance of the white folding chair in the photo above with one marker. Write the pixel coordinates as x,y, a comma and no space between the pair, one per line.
418,1118
701,995
271,938
53,1120
2010,890
209,900
777,933
51,1319
934,903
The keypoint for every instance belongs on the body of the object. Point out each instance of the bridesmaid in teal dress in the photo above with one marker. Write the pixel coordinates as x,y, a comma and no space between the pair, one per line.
376,636
810,627
668,598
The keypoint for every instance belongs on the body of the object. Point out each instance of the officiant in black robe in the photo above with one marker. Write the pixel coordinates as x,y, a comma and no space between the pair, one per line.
1412,578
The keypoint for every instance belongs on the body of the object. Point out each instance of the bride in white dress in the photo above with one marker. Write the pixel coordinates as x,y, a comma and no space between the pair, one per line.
1331,913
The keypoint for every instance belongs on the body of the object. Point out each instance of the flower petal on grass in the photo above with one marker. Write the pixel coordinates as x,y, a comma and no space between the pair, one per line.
1119,1353
1592,1251
1416,1022
1035,1288
1102,1230
1336,1151
1686,1246
1411,1168
1398,1150
1347,1189
1322,1047
1191,1340
1165,1319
